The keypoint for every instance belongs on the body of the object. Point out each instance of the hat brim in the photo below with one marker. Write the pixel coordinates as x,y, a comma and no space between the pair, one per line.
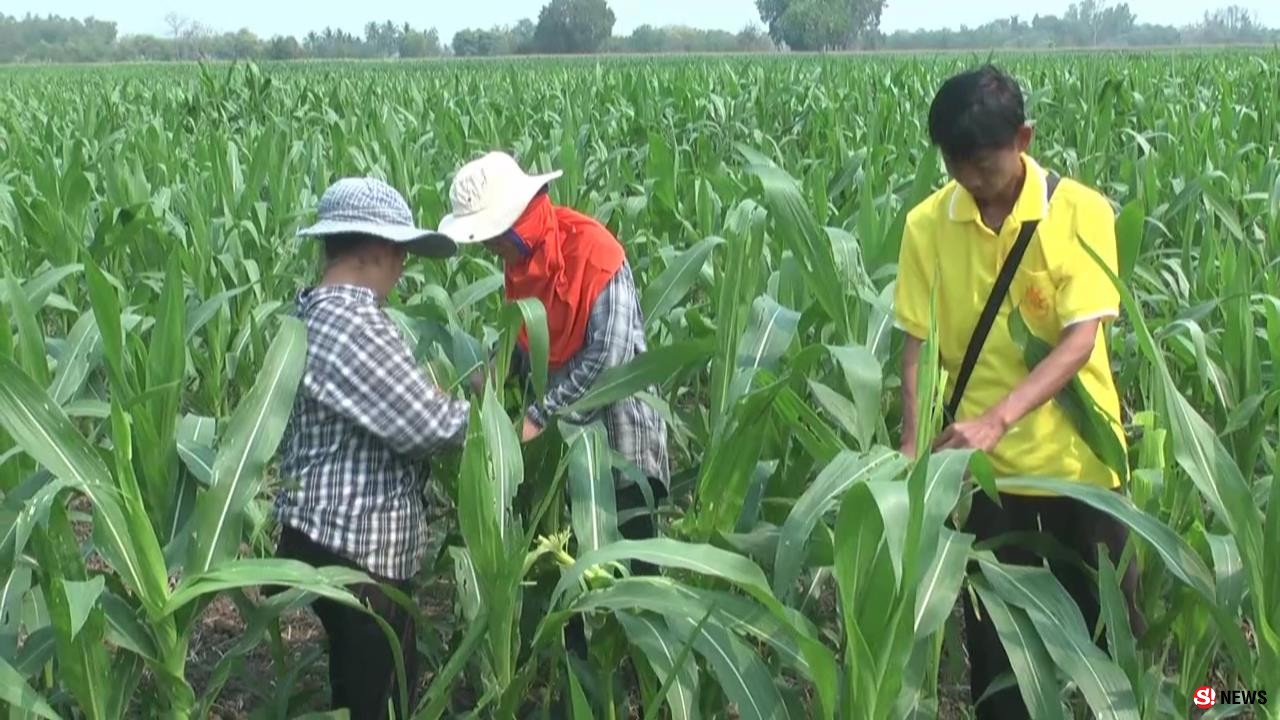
426,243
489,223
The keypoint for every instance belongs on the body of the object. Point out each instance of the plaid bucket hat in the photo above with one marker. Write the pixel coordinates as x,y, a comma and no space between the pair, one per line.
368,206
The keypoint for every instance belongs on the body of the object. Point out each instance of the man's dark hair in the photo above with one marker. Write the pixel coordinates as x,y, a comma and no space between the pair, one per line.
976,111
339,246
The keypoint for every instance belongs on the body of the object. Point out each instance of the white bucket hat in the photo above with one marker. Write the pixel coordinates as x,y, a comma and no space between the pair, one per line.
488,195
368,206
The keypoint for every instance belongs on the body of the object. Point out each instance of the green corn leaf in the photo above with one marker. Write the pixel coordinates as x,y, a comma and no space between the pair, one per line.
41,287
531,315
703,559
30,340
17,694
252,435
12,595
1201,454
437,695
1115,616
940,584
468,593
37,651
1228,571
863,377
652,368
820,498
471,294
84,344
1178,556
1057,618
591,490
1089,419
745,679
842,410
82,598
862,571
126,630
166,367
505,459
45,433
578,699
208,309
669,289
478,520
790,635
107,314
326,582
794,224
661,648
770,331
1030,660
195,441
941,486
1130,228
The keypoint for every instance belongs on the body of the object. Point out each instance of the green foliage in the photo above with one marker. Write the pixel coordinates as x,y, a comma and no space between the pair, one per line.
808,569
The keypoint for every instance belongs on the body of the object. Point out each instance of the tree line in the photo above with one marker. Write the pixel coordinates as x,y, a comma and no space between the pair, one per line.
586,26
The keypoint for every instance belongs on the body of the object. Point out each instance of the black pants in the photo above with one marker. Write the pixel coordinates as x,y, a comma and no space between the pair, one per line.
1078,528
362,670
639,527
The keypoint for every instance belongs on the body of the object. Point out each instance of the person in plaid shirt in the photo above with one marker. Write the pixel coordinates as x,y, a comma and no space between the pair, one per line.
365,419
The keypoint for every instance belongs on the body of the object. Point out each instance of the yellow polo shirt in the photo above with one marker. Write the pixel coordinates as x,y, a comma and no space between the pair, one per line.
947,248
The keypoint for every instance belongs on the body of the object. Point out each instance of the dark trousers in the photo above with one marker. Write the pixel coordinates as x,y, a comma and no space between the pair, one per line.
1079,529
362,670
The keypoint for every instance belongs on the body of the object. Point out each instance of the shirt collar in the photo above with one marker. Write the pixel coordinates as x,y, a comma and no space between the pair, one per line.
356,293
1032,203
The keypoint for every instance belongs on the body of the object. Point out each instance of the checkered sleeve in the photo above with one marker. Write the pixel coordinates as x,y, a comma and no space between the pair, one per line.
608,343
383,390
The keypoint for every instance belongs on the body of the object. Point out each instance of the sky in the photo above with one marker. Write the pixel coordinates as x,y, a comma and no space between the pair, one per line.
449,16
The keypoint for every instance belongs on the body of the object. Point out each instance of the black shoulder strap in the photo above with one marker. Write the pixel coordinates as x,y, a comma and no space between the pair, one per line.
992,308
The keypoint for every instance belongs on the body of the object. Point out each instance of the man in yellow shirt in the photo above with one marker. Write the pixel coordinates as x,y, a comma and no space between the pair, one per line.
954,246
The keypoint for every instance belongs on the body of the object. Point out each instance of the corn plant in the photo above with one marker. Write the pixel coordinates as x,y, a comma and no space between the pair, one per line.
806,568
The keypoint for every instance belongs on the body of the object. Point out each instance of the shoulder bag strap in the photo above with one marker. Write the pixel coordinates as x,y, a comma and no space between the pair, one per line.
992,308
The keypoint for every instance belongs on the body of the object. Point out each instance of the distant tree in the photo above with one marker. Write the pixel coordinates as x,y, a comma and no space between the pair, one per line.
419,43
242,45
475,43
1232,24
522,37
146,47
753,38
646,39
573,26
284,48
797,24
176,24
820,24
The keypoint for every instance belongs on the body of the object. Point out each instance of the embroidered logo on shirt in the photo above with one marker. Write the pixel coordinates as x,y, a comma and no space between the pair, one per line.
1036,300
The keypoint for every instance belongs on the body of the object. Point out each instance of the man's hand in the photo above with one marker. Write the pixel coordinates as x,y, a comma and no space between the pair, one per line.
982,433
530,431
477,381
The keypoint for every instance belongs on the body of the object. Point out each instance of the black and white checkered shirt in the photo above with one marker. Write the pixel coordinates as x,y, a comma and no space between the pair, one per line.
614,336
364,421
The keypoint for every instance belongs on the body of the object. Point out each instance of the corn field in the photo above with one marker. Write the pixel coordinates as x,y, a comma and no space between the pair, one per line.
148,362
